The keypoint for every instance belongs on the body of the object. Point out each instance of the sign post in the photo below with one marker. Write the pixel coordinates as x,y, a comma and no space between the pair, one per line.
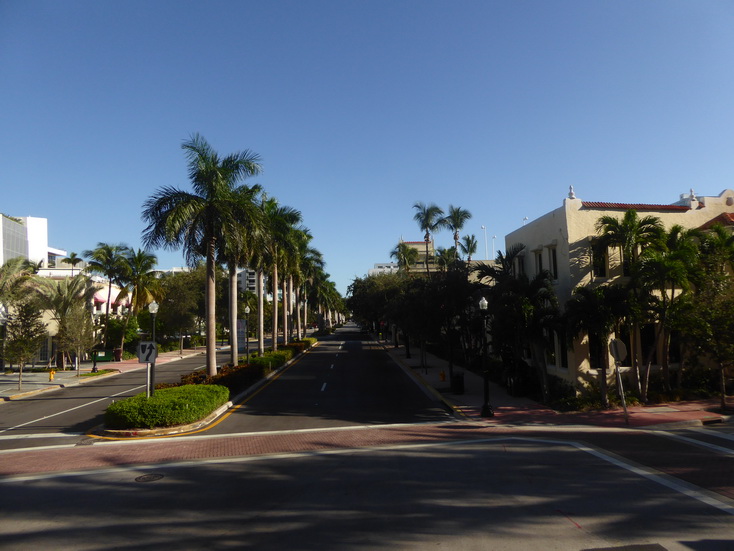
619,353
147,354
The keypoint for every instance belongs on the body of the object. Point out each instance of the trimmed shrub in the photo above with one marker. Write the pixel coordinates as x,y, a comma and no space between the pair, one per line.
166,408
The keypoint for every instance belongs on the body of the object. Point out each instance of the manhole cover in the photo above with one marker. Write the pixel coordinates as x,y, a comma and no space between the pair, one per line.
149,478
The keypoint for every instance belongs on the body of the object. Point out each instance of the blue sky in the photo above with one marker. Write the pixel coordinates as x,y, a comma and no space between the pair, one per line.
359,109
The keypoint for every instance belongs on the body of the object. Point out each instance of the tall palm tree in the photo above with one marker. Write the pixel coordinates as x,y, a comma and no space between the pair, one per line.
468,246
198,220
107,260
405,255
278,240
140,285
237,251
454,221
430,219
73,259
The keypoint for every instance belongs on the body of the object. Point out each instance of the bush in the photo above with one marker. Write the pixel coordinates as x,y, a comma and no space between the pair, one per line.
166,408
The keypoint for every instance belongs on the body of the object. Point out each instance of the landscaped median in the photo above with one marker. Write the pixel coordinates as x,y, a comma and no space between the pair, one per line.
197,400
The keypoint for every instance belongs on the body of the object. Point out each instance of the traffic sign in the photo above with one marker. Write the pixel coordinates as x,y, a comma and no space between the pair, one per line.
147,352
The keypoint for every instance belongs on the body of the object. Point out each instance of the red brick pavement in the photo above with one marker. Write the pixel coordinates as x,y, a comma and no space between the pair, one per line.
694,465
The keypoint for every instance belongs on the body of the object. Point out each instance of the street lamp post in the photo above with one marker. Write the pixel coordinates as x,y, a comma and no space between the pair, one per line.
153,309
3,322
487,410
486,254
247,336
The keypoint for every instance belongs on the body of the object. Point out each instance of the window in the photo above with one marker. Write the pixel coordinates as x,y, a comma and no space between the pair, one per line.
598,260
553,262
538,261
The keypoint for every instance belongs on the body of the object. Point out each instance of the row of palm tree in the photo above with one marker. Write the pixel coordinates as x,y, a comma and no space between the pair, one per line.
225,221
431,219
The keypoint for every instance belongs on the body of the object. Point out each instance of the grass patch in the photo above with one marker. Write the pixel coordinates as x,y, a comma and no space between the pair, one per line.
166,408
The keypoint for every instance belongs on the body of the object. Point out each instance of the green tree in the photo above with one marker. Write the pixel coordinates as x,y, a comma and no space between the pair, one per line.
596,311
73,259
108,261
405,255
139,284
468,246
430,219
198,221
454,221
178,312
63,298
25,333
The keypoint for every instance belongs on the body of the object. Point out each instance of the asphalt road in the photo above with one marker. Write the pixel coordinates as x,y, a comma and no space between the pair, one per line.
346,380
64,416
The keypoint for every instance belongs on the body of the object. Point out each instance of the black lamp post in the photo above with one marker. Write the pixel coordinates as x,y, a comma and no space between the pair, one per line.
487,410
247,336
3,322
153,309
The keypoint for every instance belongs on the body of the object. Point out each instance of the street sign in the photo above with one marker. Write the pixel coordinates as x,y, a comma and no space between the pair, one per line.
147,352
618,350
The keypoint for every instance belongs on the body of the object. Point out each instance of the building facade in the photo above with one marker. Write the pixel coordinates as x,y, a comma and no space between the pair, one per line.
564,242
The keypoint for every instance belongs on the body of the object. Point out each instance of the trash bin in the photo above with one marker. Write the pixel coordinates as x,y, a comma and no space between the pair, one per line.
118,354
457,383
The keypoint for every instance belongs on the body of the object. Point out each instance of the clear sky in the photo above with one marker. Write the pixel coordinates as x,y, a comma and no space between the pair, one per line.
360,108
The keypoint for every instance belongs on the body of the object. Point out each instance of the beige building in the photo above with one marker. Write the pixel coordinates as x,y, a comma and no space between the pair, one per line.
563,242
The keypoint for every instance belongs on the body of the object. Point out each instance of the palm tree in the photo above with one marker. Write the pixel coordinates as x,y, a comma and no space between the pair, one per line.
468,246
596,311
630,234
454,221
405,255
430,219
14,275
237,252
63,299
73,259
279,221
198,221
107,260
140,286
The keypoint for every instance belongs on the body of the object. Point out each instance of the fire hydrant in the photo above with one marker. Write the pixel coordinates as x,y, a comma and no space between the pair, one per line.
51,375
442,376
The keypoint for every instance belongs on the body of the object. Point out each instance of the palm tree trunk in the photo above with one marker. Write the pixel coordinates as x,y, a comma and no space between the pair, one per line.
260,312
275,306
299,330
211,320
284,310
233,341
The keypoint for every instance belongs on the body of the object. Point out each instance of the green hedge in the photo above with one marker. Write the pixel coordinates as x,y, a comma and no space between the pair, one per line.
166,408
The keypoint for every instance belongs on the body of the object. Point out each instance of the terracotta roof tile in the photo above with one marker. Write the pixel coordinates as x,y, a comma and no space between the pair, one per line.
635,206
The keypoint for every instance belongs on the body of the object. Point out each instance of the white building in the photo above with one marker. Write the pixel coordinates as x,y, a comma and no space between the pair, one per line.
383,268
27,237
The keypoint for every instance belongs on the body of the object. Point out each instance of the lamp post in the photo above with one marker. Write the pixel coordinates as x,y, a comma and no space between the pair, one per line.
486,254
3,322
153,309
247,336
487,410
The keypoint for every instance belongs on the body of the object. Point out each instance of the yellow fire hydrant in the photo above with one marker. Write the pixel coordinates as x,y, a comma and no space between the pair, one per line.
51,375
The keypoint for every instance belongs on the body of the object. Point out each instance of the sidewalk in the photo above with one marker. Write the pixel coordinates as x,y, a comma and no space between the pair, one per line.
512,410
34,383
